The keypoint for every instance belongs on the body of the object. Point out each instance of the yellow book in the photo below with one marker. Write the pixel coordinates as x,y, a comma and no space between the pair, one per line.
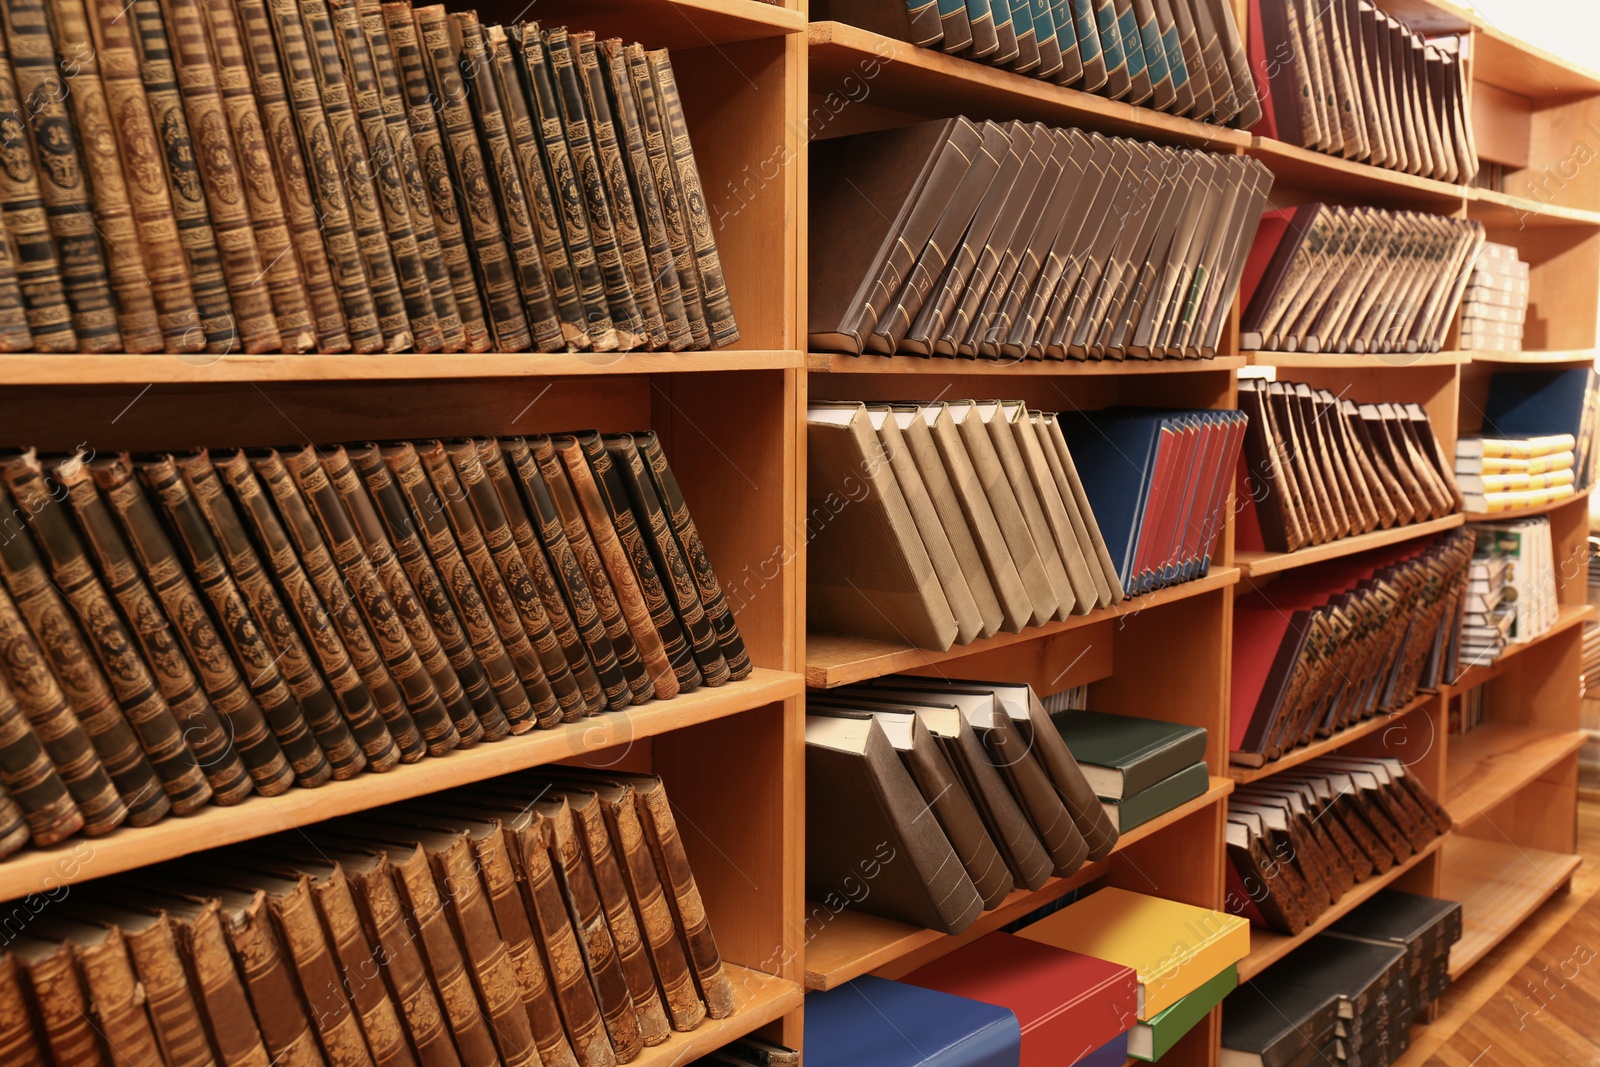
1500,483
1515,499
1175,948
1515,447
1506,465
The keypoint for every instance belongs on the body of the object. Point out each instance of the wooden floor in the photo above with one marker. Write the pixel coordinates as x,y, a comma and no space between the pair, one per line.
1536,998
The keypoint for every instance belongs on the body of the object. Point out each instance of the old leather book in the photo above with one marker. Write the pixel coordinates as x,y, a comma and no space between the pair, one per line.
112,987
230,1021
65,1028
31,779
15,336
171,1001
253,662
14,831
267,973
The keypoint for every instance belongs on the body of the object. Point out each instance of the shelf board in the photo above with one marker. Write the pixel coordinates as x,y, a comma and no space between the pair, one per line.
852,943
1536,509
1504,209
1268,947
1499,885
1492,762
1396,360
759,998
202,369
832,660
1570,615
1308,169
1576,355
1254,563
81,859
924,81
839,363
1243,774
676,23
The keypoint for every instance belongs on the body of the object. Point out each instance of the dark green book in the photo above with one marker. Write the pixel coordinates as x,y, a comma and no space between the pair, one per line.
1151,1039
1123,754
1141,807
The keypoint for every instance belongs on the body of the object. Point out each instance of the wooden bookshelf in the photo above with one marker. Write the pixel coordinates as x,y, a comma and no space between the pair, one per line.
836,363
759,999
1255,564
1579,355
1502,209
1355,361
1383,720
1493,762
1581,497
1499,884
1571,616
1356,183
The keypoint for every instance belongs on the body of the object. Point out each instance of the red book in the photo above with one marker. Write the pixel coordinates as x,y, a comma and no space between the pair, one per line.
1068,1004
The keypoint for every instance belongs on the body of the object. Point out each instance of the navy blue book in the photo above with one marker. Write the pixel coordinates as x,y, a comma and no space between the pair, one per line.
1115,452
1536,403
1113,1053
890,1024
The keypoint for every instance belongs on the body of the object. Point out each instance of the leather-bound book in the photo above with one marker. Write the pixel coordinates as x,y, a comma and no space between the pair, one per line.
568,569
15,336
369,528
75,669
113,990
502,610
30,778
424,702
494,530
266,969
178,26
505,185
14,831
388,179
542,573
19,1042
256,663
174,1011
61,1003
916,21
39,270
230,1021
445,586
348,151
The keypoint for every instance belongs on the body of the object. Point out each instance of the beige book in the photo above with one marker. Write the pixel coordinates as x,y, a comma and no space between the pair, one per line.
1054,442
1041,450
996,422
1074,551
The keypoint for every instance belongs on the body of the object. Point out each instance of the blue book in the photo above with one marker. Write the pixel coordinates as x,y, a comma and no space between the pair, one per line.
1536,403
891,1024
1115,452
1113,1053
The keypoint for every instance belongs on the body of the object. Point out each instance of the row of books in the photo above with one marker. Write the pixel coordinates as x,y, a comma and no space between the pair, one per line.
1112,975
1184,57
1511,593
1495,304
1349,79
1322,278
1468,710
1504,474
1536,424
545,918
1322,467
344,176
1331,645
1302,839
197,628
1014,240
1348,995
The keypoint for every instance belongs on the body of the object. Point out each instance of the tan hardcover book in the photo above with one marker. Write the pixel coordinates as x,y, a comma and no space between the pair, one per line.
267,972
1031,465
174,1010
1061,507
114,990
1053,441
61,1003
20,1044
1071,586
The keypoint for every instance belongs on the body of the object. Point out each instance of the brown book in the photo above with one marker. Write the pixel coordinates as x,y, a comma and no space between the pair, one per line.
14,832
15,336
307,949
230,1021
256,665
174,1011
266,969
31,780
113,989
61,1003
19,1043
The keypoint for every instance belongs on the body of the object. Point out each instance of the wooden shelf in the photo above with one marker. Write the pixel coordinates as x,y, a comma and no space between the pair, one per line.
1536,509
1243,774
1359,182
853,943
676,23
838,363
1254,563
924,81
1268,947
759,999
1492,762
1499,884
1398,360
833,661
1570,615
1576,355
1501,60
81,859
1503,209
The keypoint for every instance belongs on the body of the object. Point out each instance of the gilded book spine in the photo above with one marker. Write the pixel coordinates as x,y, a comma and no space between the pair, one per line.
263,196
384,162
369,528
264,966
714,287
469,638
252,656
505,184
232,1022
126,259
300,208
62,185
19,1044
13,835
31,779
393,101
180,1030
307,947
209,742
63,1011
528,43
39,271
218,168
432,158
367,655
247,729
386,1037
15,336
441,56
118,1000
525,147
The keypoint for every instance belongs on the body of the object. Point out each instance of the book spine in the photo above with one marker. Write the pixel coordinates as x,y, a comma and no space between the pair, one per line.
306,946
179,1026
398,480
14,833
63,1010
264,966
385,175
230,1020
117,998
15,334
19,1042
247,476
30,778
392,100
369,996
714,288
423,701
321,711
505,185
432,158
70,662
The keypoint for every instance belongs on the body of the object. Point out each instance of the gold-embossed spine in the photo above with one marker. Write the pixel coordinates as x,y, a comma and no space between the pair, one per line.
174,1015
39,270
265,967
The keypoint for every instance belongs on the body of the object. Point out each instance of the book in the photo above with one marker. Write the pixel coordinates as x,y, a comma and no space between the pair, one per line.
1135,809
870,1020
1266,1026
1123,754
1152,1039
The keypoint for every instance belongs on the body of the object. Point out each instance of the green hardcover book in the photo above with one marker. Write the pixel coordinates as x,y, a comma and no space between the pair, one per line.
1123,754
1139,808
1150,1039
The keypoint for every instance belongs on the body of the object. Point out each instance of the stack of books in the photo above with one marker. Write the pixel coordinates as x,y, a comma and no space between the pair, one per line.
1011,807
1322,278
1517,563
345,176
1426,927
543,918
1300,840
1496,301
1537,443
1321,467
1331,645
1506,473
253,621
1348,79
1139,768
1016,241
1185,57
1487,614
